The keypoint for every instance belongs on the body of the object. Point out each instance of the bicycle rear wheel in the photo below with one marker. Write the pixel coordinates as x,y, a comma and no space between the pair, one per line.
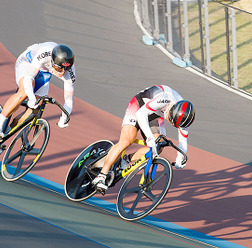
25,150
78,183
136,200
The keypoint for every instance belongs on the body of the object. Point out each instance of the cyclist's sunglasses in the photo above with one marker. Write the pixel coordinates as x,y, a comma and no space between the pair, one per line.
64,67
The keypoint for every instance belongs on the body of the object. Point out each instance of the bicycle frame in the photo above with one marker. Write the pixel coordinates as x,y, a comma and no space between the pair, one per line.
33,117
147,179
139,161
28,146
148,156
133,166
118,175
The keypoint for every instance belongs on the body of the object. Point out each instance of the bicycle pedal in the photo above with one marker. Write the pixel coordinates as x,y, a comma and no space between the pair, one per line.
103,192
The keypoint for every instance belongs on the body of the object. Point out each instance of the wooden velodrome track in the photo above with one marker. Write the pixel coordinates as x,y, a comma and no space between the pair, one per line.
212,195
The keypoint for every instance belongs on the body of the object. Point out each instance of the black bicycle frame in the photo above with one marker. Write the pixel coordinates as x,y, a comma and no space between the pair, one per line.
32,117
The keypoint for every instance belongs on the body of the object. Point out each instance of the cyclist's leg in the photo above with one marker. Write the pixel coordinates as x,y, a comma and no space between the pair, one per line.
41,88
22,116
157,127
27,147
11,105
143,150
15,101
127,137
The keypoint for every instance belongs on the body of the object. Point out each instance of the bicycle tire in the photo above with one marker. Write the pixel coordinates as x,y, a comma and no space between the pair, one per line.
136,201
78,183
25,150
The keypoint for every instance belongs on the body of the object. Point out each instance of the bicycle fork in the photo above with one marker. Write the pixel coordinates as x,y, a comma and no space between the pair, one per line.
145,175
133,166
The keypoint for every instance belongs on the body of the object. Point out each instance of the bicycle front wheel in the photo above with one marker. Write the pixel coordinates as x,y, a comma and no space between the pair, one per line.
25,150
138,198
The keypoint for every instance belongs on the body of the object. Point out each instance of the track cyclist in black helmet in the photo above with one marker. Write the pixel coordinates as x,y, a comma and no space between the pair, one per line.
146,112
33,69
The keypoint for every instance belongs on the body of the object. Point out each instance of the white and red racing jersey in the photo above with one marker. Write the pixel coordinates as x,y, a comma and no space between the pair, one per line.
156,100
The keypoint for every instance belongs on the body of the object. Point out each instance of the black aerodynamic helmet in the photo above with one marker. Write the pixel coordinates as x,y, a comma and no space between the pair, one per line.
182,114
62,56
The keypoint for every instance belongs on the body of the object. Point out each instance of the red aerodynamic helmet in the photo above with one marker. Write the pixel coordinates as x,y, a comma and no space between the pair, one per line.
182,114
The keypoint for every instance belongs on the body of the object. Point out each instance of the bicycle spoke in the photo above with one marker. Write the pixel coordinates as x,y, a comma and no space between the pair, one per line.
150,196
35,137
134,203
24,137
153,182
20,163
34,151
16,159
133,190
137,200
13,157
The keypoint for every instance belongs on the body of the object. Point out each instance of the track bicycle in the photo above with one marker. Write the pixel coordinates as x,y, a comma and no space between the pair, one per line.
147,181
27,147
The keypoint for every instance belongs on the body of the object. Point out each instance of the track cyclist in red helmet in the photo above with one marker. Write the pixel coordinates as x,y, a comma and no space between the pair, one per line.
33,69
146,112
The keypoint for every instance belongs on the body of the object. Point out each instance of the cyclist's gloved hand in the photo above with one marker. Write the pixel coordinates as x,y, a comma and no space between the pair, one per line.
178,163
62,121
151,143
32,104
